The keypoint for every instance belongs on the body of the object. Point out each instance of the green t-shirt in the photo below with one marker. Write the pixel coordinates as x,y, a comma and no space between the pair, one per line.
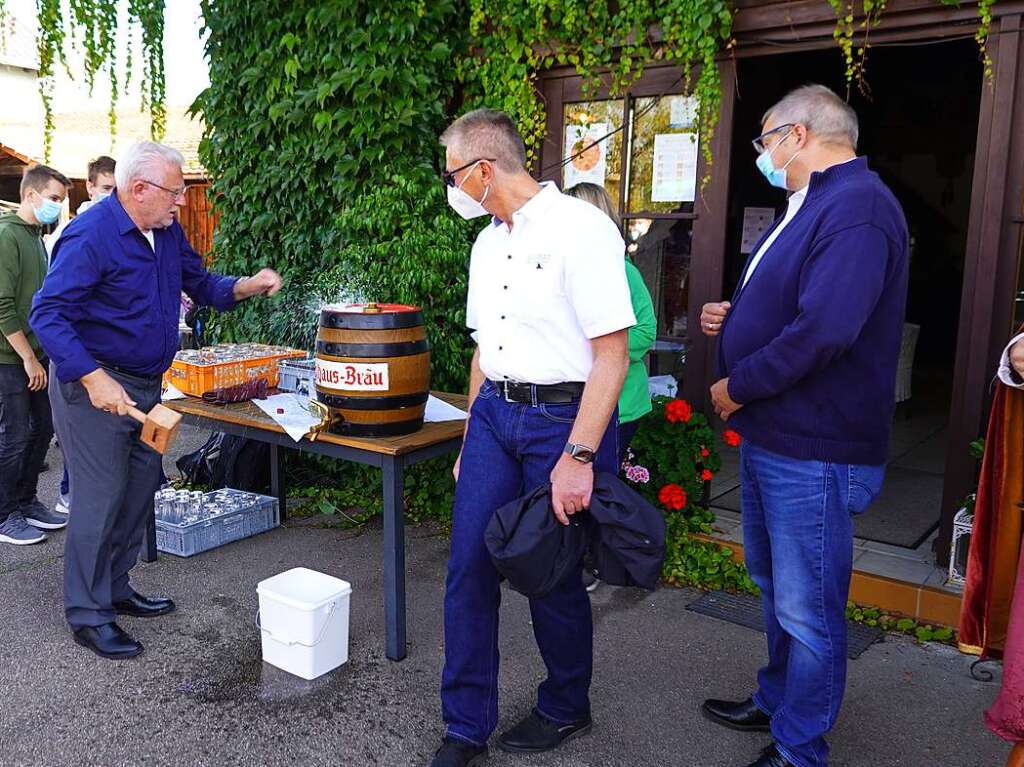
635,400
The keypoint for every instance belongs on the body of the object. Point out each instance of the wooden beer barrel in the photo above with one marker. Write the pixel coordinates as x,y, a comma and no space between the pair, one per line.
373,368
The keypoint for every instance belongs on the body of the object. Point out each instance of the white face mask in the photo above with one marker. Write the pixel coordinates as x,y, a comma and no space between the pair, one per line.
465,205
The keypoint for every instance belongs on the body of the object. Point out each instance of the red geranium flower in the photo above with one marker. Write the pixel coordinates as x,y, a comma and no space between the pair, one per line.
704,452
672,497
706,475
731,438
678,410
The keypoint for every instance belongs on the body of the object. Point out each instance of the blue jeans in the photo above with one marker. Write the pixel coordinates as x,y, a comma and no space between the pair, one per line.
26,428
798,544
510,449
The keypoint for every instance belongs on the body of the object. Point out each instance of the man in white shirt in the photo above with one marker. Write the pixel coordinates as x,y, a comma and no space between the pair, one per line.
550,308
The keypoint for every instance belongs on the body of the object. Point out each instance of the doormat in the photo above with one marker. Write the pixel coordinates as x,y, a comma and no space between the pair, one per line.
745,610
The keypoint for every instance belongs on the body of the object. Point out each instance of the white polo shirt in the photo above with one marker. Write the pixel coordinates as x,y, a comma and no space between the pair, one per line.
540,292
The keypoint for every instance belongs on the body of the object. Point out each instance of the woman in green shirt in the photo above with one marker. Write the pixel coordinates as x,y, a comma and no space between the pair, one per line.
635,400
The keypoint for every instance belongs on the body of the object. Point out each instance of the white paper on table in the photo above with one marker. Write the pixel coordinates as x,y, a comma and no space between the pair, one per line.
296,419
662,386
171,392
439,410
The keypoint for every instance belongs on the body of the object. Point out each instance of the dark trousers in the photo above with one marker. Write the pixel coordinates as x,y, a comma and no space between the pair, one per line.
26,429
798,546
113,478
510,449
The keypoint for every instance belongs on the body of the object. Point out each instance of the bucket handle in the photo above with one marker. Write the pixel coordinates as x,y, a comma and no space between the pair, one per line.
290,642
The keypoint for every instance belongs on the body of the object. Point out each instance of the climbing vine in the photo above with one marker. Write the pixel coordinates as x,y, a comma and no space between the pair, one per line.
92,26
607,42
848,25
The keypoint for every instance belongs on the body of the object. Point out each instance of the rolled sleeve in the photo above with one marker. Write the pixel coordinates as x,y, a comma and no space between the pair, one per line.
1007,374
596,281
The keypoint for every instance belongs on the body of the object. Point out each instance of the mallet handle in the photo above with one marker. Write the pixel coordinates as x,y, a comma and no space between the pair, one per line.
137,414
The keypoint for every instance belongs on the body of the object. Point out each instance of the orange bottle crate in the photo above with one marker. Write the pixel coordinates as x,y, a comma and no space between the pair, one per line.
198,372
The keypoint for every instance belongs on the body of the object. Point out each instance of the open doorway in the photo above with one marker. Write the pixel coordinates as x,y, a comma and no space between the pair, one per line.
918,129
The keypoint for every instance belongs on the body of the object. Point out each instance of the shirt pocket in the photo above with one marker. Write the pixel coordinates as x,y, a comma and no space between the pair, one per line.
540,284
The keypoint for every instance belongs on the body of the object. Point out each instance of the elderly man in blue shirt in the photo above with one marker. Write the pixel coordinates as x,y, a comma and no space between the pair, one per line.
107,316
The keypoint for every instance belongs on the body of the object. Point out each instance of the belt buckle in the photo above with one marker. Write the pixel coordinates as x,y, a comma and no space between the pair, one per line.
504,390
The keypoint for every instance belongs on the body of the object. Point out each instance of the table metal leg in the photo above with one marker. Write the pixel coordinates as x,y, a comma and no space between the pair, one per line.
394,557
278,486
149,546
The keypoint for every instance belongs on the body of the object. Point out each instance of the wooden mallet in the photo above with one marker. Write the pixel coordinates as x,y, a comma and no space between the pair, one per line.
159,427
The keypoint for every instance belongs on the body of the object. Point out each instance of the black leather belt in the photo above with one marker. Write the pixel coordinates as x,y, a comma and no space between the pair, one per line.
148,378
535,394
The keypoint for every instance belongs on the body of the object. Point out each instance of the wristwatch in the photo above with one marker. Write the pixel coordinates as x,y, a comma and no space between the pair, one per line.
581,453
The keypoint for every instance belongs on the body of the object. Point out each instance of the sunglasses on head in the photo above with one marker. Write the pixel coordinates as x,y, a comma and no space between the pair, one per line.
448,176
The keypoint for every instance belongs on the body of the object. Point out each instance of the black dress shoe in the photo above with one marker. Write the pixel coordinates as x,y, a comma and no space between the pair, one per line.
772,758
743,716
144,607
537,733
456,753
108,641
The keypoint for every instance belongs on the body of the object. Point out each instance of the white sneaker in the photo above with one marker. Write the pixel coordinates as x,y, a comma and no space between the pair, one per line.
63,504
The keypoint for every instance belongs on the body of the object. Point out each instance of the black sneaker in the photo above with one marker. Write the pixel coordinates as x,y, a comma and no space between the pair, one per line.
536,733
457,753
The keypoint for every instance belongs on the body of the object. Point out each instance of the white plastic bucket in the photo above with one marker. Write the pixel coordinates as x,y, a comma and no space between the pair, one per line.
304,621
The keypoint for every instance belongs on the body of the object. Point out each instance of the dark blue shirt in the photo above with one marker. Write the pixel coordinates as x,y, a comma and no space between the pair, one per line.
812,341
110,299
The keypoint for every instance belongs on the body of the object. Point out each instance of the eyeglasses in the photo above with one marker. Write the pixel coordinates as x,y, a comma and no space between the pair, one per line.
759,144
448,176
175,193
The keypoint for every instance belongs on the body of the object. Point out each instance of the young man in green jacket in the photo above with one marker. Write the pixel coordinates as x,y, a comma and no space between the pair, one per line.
26,427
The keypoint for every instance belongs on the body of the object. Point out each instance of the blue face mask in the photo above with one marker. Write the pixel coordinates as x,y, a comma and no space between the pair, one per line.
776,176
48,212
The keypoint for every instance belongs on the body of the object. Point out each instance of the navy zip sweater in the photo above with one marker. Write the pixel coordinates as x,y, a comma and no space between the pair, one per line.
811,344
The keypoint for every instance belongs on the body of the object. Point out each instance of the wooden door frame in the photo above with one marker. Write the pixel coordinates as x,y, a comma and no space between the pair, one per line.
991,263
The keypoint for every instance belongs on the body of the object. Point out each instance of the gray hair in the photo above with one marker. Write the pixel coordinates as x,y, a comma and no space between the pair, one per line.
487,134
143,160
819,110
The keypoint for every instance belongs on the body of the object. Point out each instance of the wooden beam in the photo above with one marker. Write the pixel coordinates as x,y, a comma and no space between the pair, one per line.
990,249
707,254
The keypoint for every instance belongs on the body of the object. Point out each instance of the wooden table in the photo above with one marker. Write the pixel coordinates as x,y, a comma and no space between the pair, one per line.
391,454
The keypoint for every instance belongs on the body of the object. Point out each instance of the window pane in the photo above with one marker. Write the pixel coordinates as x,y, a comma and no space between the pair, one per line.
584,122
660,248
663,156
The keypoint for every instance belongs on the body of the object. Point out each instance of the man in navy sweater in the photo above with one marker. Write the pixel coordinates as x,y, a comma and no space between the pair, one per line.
807,356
